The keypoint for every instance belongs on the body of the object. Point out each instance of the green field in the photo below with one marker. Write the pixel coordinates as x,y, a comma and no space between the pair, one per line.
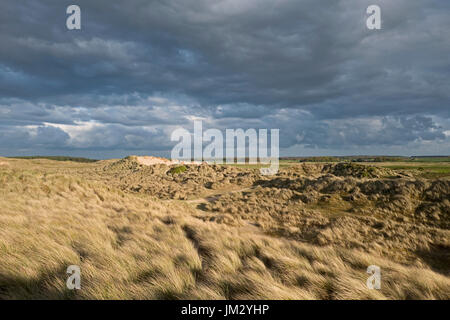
424,169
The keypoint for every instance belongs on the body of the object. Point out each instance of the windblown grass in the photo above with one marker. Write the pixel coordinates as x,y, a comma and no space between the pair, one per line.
135,246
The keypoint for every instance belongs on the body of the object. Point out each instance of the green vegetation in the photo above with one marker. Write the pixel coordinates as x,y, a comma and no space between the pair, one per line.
425,171
369,159
178,170
58,158
317,159
431,159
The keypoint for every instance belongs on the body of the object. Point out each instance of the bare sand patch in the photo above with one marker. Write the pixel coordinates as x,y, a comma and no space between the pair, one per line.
151,161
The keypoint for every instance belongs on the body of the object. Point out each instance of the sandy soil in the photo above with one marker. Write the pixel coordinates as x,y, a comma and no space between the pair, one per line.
151,161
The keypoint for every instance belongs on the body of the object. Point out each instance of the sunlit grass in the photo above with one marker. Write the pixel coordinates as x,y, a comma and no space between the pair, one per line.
134,246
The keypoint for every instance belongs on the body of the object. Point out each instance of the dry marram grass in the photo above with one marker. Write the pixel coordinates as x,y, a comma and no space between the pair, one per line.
217,232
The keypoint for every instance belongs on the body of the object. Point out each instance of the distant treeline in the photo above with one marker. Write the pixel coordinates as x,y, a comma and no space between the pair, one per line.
368,159
57,158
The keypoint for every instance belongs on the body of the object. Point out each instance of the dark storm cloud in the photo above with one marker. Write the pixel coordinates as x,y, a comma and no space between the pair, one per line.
38,137
387,131
139,68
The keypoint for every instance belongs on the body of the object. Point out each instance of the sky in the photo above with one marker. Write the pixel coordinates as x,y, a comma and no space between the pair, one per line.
139,69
